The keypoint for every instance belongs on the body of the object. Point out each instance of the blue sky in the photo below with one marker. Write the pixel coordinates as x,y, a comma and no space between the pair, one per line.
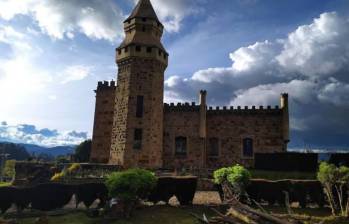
244,52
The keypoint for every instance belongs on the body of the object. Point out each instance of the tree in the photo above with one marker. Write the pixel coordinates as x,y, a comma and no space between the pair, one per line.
236,177
83,151
334,180
130,186
9,169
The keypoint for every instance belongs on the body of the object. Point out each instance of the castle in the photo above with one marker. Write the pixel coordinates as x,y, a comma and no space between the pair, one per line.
134,128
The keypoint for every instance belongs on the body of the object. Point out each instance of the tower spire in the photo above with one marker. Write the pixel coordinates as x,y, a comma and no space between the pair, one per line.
143,9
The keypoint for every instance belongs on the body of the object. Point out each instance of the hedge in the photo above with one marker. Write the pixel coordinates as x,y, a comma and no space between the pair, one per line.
182,187
288,161
302,191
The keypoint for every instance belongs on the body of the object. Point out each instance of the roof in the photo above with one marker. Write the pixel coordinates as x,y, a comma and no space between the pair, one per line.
143,9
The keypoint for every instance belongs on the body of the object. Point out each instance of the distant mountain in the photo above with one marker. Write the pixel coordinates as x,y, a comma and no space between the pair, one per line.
52,151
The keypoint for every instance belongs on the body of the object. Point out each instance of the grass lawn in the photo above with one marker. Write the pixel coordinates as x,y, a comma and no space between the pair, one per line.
181,215
5,184
149,215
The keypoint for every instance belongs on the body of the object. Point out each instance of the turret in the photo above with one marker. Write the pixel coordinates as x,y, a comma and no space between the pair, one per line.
143,32
285,117
137,138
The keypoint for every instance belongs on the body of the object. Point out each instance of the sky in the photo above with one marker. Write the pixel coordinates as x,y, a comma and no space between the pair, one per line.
243,52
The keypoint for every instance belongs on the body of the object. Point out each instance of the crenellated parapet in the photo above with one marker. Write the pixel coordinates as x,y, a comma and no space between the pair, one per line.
181,107
102,86
244,110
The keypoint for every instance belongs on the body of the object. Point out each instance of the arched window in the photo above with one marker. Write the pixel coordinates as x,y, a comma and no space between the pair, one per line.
213,147
181,145
247,147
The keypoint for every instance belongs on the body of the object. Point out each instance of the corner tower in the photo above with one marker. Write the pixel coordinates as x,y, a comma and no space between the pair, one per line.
137,138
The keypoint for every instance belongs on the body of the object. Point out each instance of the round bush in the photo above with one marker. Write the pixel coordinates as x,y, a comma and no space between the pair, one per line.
131,184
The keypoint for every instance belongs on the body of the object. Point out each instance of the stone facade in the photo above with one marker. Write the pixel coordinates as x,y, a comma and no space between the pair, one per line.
133,128
103,124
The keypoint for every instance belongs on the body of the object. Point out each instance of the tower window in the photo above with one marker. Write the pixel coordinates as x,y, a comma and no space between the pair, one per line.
247,147
126,49
140,105
160,52
181,146
143,29
138,48
148,49
137,139
144,19
213,149
119,51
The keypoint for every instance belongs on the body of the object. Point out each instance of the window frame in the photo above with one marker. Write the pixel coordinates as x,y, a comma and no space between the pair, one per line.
209,148
243,139
137,141
182,152
139,106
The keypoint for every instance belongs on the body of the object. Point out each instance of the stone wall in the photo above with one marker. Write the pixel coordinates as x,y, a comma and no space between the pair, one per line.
182,121
230,126
102,129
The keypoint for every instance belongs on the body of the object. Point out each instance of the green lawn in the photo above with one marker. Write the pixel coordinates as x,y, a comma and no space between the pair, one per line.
148,215
5,184
180,215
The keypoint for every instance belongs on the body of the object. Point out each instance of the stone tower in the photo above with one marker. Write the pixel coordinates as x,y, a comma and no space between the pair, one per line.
103,122
137,137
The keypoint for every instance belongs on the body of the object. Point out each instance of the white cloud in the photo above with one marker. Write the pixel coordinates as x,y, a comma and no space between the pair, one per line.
30,134
75,73
320,48
171,13
311,64
95,18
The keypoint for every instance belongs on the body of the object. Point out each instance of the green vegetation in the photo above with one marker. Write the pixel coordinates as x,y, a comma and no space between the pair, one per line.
5,184
280,175
335,179
148,215
9,169
15,151
83,151
130,186
66,173
237,176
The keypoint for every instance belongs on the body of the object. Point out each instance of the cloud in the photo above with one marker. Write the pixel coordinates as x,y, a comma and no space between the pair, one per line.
311,64
95,18
30,134
75,73
171,13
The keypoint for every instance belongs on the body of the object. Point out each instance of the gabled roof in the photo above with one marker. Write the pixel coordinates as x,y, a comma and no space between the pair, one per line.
143,9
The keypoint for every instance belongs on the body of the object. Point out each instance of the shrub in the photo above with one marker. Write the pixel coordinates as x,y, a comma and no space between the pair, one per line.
334,181
131,184
237,176
9,169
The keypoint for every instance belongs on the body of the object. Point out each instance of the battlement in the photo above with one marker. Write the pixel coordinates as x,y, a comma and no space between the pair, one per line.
244,110
181,107
105,85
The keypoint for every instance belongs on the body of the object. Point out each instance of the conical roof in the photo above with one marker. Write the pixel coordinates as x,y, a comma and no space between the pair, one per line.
143,9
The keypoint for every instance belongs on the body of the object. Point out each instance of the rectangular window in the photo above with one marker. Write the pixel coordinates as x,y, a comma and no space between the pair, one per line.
247,147
138,48
148,49
126,49
213,144
137,140
140,106
181,146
